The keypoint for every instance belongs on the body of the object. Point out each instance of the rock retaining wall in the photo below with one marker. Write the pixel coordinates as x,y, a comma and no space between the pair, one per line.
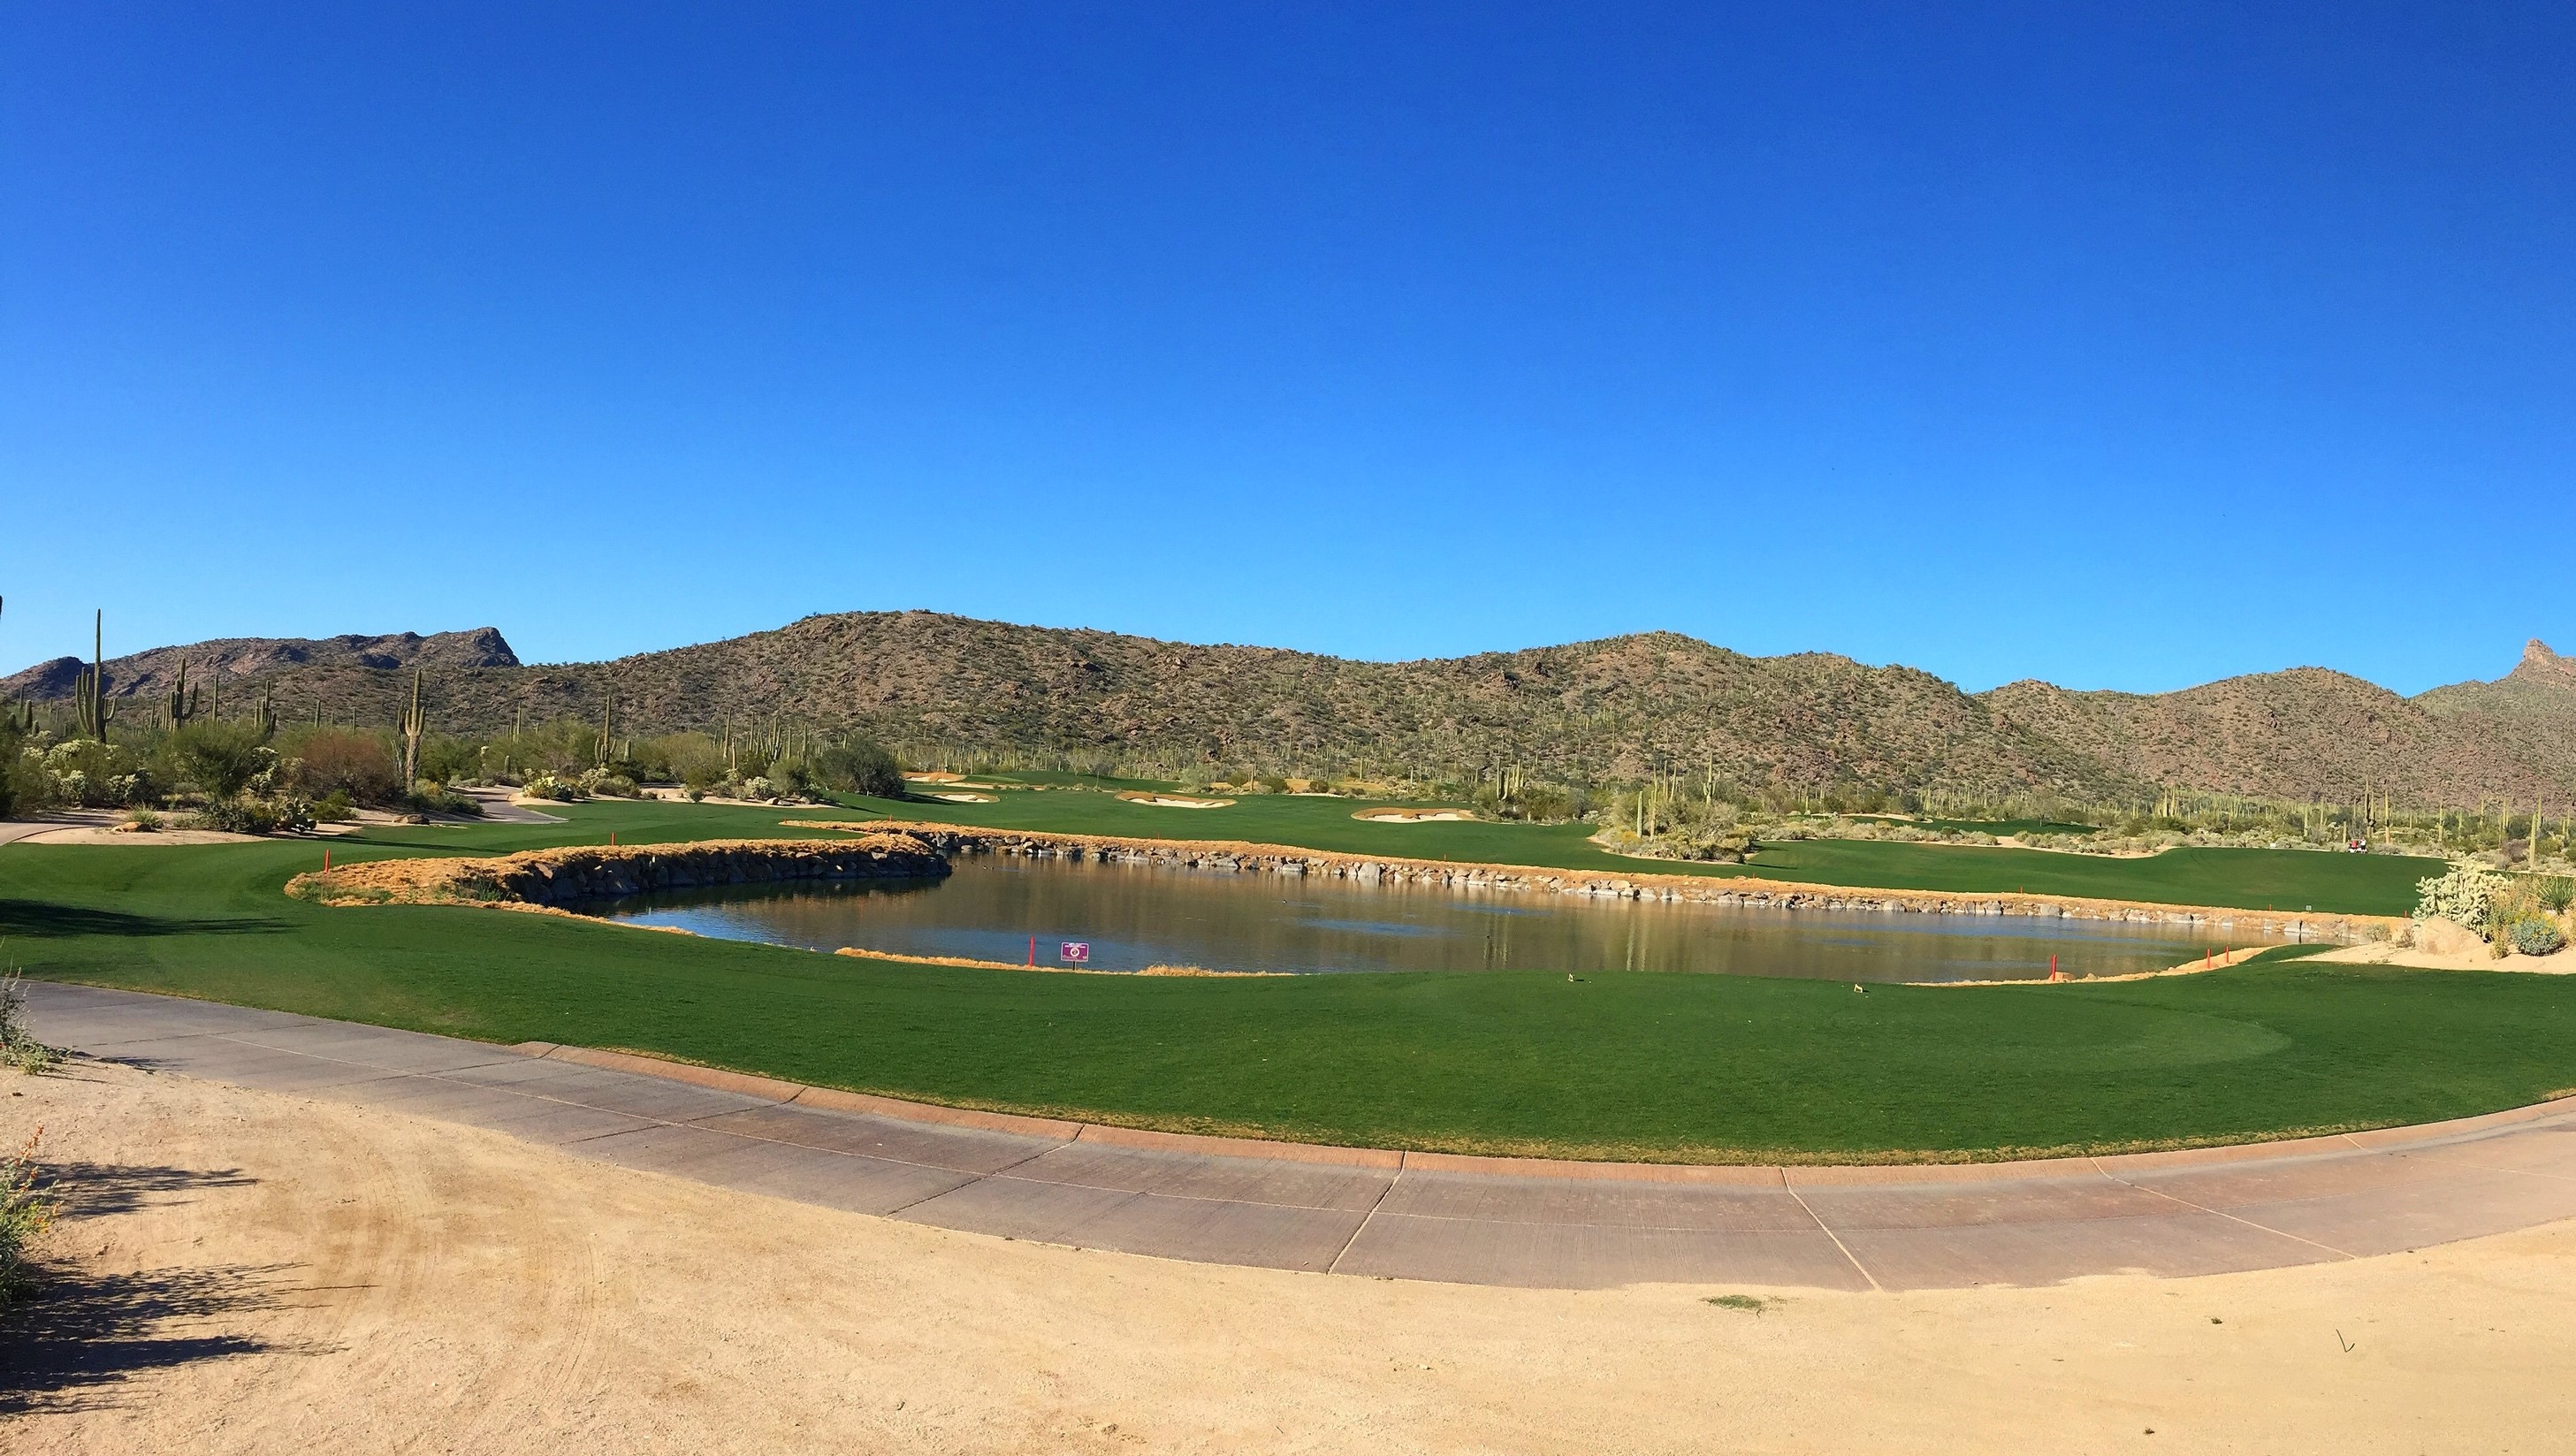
558,877
1239,858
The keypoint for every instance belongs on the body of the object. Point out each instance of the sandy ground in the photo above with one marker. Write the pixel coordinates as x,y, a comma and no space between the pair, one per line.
244,1271
1171,801
90,834
2383,954
1412,816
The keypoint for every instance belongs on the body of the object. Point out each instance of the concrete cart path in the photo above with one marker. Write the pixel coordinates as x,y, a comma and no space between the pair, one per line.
1415,1216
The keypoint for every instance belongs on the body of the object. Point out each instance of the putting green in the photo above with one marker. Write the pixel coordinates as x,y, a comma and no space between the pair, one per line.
1627,1066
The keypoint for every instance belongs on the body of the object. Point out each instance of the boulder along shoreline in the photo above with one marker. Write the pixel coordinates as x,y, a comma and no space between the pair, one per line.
1235,856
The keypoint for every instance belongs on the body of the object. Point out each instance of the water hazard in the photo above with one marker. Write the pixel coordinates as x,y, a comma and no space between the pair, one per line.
1131,916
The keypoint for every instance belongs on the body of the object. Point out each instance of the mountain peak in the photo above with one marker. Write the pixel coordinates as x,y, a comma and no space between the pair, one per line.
2540,664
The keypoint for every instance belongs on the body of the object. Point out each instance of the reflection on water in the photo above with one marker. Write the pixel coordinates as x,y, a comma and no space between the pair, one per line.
1133,916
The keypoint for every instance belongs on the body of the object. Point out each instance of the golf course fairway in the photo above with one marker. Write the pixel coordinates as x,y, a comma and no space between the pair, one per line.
1654,1067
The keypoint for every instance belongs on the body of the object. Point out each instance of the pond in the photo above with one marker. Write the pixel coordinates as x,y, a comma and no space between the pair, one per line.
1132,916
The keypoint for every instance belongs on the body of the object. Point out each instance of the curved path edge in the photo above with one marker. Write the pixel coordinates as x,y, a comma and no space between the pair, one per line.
1997,1170
1384,1214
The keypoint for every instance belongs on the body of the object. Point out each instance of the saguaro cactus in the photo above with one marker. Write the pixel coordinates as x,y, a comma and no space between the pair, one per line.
89,694
413,721
182,705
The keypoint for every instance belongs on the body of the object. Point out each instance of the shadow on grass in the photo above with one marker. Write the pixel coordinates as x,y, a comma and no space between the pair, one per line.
38,918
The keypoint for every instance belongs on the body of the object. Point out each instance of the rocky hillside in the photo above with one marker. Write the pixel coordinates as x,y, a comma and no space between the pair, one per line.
228,661
1593,710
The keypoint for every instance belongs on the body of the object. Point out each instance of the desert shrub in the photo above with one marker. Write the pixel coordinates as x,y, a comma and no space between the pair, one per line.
354,763
143,819
2461,896
18,1045
25,786
444,760
2556,892
431,797
249,815
26,1211
2535,937
607,784
686,758
761,788
790,775
547,786
94,775
859,767
218,757
334,808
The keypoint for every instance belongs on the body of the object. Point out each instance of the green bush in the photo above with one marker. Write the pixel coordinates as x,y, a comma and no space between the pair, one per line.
2535,937
334,808
2556,892
355,764
436,798
248,815
547,786
859,767
218,757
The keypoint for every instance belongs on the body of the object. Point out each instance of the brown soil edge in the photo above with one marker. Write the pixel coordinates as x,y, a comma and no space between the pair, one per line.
1768,1167
533,879
1743,890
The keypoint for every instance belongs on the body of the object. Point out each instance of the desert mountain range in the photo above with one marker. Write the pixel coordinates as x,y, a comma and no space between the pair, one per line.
1585,711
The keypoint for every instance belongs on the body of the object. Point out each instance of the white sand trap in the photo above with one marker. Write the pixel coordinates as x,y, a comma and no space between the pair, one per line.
1175,801
1413,816
964,798
934,778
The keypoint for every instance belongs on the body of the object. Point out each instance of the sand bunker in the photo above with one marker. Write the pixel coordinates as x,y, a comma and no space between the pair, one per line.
1175,801
1413,816
964,798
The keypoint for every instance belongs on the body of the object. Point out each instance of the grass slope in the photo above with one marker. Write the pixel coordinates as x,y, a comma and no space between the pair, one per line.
2251,879
1613,1065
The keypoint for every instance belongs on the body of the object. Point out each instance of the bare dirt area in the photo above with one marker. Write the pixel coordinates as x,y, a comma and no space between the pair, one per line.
1413,816
244,1271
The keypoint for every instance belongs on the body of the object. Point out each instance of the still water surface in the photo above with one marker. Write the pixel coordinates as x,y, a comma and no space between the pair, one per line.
1134,916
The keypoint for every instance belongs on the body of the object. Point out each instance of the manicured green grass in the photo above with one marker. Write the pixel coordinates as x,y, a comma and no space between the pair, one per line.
2251,879
1612,1065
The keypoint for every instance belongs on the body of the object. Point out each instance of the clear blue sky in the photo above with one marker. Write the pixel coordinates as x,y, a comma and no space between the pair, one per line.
2121,349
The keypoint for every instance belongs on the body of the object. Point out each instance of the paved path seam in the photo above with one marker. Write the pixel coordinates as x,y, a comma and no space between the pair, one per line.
1828,1232
1432,1216
2233,1218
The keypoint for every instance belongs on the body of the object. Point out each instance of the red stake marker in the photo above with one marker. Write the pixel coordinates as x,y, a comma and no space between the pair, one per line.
1033,950
326,861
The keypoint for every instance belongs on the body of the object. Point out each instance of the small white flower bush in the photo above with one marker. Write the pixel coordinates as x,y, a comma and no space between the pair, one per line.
2462,896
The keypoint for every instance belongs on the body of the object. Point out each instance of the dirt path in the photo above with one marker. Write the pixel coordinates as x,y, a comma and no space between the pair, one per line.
249,1271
